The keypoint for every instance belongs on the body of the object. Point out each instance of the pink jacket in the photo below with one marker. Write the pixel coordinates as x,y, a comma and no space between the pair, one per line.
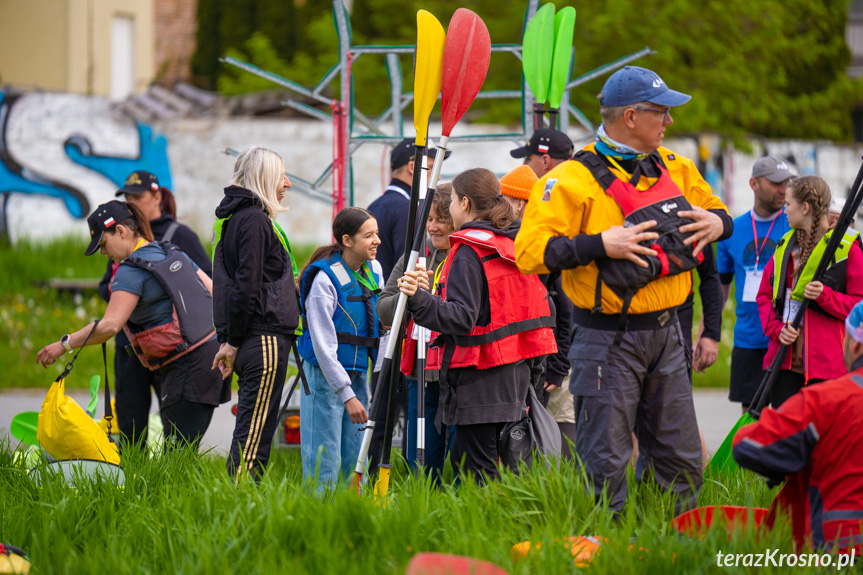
823,333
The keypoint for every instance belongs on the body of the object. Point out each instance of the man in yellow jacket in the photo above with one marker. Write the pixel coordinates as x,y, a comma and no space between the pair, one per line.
629,369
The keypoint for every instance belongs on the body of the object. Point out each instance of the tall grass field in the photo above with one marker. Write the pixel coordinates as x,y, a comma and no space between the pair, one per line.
32,316
181,513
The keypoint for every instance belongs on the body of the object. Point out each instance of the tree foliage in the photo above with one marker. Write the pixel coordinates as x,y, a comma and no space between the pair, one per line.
774,68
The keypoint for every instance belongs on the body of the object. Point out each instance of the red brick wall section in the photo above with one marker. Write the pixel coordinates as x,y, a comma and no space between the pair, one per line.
174,30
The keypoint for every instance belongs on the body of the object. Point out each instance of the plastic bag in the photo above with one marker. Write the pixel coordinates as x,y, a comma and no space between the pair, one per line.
67,432
535,431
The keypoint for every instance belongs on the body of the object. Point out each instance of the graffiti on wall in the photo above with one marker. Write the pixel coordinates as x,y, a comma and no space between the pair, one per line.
16,177
153,157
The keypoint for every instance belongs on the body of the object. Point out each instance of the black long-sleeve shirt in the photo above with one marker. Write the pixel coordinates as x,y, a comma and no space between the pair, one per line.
710,291
470,395
391,210
557,364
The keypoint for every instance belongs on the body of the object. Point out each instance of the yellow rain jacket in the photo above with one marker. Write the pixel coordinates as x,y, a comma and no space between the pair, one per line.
568,201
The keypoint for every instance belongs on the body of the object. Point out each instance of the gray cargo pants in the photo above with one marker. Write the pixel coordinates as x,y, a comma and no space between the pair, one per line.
642,385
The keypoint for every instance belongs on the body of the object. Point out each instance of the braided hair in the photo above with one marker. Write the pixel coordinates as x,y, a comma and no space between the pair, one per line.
815,192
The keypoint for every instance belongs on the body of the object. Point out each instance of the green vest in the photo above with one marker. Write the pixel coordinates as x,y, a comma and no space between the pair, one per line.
280,233
780,261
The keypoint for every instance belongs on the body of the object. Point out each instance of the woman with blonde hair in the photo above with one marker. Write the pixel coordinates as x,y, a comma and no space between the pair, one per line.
255,305
816,346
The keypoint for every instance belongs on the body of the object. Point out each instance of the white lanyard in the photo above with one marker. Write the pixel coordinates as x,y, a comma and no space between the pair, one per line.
399,190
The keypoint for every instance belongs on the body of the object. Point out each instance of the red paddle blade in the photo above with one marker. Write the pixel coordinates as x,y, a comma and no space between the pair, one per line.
443,564
466,56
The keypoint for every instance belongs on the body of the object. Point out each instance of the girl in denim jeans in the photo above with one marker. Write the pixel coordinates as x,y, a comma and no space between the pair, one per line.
338,291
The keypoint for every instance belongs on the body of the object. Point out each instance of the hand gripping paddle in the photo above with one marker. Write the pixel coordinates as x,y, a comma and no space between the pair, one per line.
428,70
466,57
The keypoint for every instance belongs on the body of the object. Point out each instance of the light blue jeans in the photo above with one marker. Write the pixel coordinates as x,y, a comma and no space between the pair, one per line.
329,442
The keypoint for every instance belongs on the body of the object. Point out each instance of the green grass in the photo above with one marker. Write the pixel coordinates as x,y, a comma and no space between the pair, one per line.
182,514
31,317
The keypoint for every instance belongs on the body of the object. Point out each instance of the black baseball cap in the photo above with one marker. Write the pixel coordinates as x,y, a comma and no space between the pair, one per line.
546,141
139,182
404,152
105,217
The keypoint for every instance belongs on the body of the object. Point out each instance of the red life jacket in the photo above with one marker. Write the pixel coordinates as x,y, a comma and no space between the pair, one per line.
521,319
409,351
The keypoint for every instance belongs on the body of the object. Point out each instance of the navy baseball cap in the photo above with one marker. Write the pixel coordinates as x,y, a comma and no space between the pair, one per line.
633,84
404,152
546,141
104,217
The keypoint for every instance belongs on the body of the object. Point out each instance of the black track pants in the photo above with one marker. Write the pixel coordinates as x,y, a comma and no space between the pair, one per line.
261,366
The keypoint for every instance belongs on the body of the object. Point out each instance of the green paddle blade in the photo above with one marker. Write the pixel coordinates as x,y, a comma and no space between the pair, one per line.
23,427
722,460
537,51
94,395
564,29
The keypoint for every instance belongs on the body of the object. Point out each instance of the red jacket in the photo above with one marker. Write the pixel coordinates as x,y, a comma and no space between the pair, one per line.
521,316
815,442
823,332
409,351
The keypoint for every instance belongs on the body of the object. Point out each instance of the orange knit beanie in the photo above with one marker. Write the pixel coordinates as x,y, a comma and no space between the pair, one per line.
518,183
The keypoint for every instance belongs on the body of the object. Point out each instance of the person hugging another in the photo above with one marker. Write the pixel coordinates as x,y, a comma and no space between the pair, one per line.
338,291
496,323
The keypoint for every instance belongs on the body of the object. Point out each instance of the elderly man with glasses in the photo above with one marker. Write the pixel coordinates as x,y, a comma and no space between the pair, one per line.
629,368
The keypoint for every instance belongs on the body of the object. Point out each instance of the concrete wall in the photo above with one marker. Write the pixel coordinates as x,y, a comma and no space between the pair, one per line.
66,44
40,123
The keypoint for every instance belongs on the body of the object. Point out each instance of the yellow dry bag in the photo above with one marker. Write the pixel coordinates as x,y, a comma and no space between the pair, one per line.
65,430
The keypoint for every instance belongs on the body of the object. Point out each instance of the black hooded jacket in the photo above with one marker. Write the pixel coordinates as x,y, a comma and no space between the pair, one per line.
253,284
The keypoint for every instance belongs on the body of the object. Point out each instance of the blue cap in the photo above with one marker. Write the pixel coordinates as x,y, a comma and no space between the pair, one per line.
854,322
632,84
